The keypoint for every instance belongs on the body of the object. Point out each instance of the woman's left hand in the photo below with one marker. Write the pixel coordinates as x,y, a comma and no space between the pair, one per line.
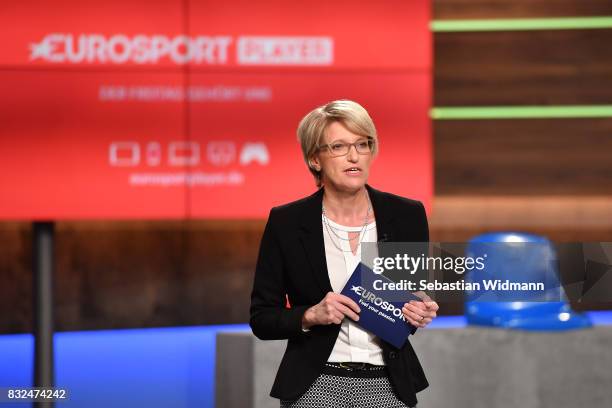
420,313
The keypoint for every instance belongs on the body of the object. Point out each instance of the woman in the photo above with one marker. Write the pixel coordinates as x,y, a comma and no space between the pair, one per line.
309,249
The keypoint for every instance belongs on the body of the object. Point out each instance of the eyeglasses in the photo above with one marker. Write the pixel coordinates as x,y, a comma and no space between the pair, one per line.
340,148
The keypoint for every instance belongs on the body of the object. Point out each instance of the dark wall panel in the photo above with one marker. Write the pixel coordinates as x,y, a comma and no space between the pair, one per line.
474,9
134,274
15,277
523,68
523,157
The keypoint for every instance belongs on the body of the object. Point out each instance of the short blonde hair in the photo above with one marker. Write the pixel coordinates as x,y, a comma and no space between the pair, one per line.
313,126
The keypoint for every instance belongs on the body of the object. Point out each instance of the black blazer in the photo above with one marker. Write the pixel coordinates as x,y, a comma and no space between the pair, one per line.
292,262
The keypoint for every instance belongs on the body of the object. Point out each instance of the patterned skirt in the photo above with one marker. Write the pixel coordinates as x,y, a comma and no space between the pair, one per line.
338,387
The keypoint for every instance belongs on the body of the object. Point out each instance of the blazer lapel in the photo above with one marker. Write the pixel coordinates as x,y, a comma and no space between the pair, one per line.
311,235
384,215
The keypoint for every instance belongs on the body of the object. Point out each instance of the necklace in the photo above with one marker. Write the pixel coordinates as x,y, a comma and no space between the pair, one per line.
330,229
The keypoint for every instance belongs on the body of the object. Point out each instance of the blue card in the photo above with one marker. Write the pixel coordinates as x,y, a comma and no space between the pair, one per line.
381,310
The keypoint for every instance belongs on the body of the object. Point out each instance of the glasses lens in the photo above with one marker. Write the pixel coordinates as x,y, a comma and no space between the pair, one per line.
363,146
338,148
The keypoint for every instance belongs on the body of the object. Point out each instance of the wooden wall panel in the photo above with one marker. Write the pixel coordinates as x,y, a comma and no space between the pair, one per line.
523,68
475,9
518,68
589,217
112,275
16,302
134,274
523,157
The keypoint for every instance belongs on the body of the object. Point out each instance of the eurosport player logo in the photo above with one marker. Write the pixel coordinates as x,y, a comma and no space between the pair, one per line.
141,49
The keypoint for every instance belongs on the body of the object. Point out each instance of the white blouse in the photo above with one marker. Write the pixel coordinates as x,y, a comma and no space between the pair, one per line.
353,344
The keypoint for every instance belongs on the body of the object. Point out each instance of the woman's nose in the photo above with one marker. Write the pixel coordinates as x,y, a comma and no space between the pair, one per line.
352,154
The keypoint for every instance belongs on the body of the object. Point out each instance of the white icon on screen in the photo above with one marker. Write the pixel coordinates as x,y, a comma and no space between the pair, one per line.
153,154
254,152
184,153
220,153
125,154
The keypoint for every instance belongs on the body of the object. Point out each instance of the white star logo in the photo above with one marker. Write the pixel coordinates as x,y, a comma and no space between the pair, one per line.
41,50
355,289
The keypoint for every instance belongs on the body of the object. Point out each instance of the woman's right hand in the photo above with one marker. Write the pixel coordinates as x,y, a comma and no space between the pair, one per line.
331,310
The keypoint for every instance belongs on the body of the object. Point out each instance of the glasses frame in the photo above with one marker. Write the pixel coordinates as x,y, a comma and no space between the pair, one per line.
327,146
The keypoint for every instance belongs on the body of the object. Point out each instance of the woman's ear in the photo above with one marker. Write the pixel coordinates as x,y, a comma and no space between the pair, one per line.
315,163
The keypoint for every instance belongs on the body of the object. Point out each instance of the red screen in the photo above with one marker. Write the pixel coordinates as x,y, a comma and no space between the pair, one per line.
164,109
